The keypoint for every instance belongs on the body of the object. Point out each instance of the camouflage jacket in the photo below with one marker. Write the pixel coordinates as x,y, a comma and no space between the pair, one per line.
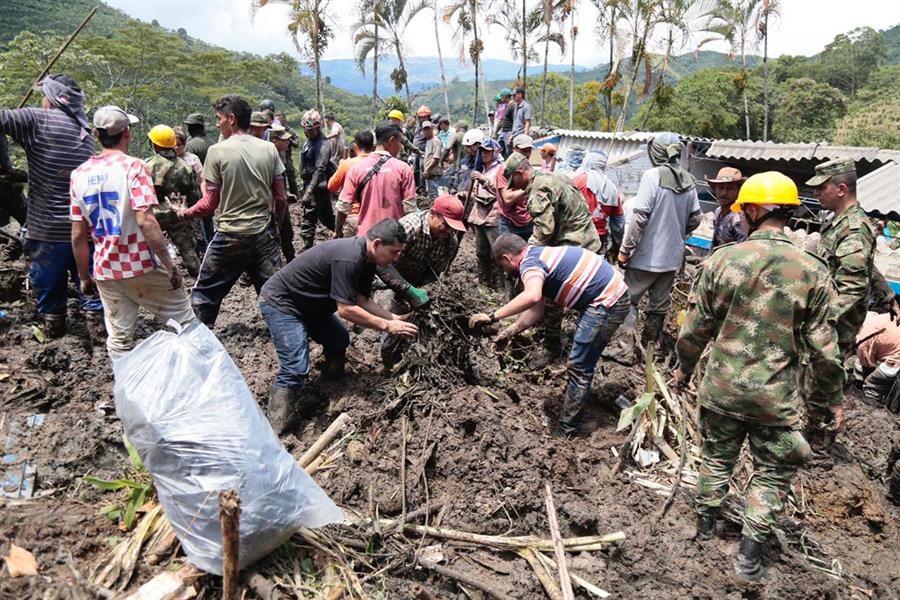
173,176
559,213
848,246
764,304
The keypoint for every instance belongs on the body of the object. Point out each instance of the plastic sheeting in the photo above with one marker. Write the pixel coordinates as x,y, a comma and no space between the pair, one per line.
198,429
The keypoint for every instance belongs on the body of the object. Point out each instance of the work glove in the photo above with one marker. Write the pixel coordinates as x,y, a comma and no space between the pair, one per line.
417,297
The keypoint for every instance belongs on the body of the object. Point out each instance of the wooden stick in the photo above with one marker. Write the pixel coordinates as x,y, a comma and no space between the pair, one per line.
565,583
463,578
324,440
403,423
579,581
57,55
425,510
230,518
420,592
541,573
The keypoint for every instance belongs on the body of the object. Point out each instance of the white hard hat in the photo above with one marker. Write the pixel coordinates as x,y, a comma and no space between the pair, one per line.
473,136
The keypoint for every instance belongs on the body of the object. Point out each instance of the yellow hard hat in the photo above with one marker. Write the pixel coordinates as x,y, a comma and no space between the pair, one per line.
770,187
162,136
395,114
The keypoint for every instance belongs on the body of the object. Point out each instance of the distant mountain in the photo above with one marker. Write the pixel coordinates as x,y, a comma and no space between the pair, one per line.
422,72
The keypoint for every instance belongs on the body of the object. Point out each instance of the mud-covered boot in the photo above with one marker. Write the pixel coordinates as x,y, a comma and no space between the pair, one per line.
749,560
334,368
96,327
706,526
55,324
280,409
206,313
653,324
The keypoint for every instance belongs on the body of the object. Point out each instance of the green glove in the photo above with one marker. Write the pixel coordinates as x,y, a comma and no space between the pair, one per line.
417,297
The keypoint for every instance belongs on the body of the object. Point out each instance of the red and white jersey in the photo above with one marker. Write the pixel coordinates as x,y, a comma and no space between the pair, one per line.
106,191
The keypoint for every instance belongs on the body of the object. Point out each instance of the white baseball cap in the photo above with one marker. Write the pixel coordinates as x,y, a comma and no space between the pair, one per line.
113,119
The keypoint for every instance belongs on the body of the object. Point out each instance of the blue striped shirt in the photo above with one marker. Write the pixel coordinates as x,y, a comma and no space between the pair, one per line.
573,277
55,147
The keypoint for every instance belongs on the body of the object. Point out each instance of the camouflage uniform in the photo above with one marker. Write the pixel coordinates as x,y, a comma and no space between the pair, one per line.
561,218
197,144
760,302
848,247
173,177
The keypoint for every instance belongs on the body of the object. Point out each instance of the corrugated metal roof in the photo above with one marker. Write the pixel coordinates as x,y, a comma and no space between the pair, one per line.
627,136
743,149
879,191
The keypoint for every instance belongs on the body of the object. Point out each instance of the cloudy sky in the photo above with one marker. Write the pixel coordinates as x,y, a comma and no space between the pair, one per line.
804,28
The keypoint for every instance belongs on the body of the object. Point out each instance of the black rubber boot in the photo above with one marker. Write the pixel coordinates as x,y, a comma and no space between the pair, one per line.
334,368
706,526
55,324
749,560
206,314
96,327
653,324
280,409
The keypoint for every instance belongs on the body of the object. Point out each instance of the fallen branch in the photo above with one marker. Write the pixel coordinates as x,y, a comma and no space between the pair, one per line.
565,583
579,581
463,578
541,572
230,519
324,440
403,424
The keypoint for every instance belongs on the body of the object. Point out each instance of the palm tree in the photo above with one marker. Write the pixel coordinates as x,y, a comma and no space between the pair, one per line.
573,31
466,13
521,39
309,31
734,21
437,39
550,9
607,29
641,17
370,45
395,17
769,8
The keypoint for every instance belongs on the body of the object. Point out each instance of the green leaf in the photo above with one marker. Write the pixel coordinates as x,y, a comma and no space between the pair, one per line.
308,566
112,512
138,496
629,414
38,333
112,485
133,454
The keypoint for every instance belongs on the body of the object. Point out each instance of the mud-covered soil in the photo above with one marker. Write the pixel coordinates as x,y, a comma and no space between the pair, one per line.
481,441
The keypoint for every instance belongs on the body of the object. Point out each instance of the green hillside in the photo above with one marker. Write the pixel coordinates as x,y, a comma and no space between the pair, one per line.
159,75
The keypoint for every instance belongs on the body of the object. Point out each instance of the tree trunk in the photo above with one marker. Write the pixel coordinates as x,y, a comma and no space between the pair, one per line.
441,61
765,134
612,57
572,78
544,76
744,91
662,81
399,51
375,67
316,44
524,46
635,66
476,61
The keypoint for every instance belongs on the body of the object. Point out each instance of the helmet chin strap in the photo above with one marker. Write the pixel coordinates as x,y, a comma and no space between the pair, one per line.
754,224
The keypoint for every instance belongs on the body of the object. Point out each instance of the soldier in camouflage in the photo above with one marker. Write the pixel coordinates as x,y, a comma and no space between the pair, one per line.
561,218
198,143
176,184
848,247
759,302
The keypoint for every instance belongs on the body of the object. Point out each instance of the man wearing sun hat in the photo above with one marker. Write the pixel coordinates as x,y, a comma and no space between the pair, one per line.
726,223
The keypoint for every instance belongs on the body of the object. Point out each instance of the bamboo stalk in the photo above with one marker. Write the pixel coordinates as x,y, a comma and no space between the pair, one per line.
540,571
579,581
565,584
324,440
229,519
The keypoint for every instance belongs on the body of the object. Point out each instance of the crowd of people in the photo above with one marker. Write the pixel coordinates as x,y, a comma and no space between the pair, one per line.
397,203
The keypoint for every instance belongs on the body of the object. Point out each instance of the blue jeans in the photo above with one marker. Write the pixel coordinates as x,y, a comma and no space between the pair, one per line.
52,263
506,226
291,334
595,327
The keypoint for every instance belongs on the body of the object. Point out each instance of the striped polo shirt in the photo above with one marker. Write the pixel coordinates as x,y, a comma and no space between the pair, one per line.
573,277
55,147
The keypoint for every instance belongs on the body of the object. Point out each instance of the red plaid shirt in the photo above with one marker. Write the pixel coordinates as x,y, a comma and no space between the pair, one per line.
106,192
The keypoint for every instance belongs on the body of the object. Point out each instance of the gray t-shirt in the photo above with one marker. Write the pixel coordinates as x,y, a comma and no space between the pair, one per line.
523,113
661,247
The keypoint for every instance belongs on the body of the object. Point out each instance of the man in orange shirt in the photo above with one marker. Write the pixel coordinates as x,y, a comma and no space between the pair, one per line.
879,352
363,144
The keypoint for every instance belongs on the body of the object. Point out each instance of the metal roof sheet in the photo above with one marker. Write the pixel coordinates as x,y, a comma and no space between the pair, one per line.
879,191
750,150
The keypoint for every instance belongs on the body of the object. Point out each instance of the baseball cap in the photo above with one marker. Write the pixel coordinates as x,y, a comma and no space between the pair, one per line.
519,90
513,163
113,120
523,141
194,119
427,125
505,92
472,136
829,169
259,119
727,175
451,209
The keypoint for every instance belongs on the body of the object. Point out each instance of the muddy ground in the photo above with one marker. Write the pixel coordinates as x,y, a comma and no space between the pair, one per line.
481,441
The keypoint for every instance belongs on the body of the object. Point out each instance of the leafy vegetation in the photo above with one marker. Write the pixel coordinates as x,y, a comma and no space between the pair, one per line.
139,488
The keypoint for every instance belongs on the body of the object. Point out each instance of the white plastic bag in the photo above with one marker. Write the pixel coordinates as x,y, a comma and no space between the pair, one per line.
198,429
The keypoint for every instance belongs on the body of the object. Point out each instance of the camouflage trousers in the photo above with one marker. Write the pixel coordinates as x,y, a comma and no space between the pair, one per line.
777,454
181,233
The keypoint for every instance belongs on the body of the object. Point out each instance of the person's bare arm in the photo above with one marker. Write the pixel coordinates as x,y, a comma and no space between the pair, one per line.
154,236
81,247
369,314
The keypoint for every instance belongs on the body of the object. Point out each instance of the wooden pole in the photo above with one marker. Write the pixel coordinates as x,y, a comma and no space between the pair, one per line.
229,519
324,440
57,55
565,583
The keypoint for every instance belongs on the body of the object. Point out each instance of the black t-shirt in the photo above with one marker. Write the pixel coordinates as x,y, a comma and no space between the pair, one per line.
313,283
507,123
